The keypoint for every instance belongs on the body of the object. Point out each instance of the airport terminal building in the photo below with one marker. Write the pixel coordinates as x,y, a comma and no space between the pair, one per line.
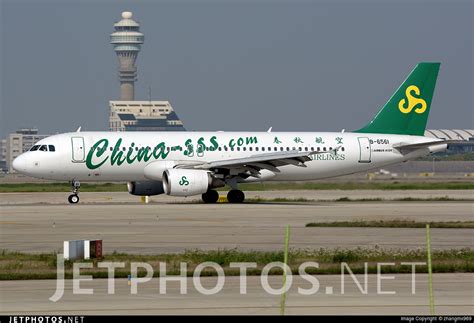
143,116
465,136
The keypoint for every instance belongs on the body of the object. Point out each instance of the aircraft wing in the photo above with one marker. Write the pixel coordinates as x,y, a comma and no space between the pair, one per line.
269,161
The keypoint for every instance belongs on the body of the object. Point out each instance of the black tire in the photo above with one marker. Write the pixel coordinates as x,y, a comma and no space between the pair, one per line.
73,198
210,196
235,196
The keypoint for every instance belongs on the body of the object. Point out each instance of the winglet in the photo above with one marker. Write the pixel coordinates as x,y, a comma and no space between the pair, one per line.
79,129
269,129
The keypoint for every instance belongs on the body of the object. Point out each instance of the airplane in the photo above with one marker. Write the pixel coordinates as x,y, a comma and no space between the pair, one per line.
196,163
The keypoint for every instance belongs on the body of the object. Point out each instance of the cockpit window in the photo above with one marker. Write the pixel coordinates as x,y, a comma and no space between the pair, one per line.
43,148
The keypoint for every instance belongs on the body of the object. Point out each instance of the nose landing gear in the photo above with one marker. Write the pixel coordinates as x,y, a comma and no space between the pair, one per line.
74,197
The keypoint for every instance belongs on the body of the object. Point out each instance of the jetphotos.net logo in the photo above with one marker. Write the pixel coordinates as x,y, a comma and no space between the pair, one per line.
46,319
143,273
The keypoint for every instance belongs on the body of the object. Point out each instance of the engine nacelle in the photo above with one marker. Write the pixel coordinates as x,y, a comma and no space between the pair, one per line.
146,188
186,182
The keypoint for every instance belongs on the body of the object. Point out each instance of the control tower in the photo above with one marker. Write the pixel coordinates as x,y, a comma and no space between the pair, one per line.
127,40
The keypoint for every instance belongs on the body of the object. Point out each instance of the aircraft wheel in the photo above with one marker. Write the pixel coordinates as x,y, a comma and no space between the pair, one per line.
235,196
73,198
210,196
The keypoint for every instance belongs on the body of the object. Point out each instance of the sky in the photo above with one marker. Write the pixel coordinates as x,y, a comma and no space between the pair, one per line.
234,65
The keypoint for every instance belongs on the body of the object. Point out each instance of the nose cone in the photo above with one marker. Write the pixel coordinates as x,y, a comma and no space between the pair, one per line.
19,163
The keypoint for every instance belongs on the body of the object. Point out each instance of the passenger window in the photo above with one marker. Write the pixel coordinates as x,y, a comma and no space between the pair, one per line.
342,148
324,148
238,148
220,148
305,148
43,148
245,148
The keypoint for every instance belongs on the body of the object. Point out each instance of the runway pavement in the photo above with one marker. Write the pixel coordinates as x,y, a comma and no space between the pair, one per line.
169,225
452,295
318,195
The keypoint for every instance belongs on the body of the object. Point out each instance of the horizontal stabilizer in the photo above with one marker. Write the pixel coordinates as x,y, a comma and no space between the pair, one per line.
420,145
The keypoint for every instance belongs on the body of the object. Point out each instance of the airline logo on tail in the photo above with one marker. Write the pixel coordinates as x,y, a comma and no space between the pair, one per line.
412,101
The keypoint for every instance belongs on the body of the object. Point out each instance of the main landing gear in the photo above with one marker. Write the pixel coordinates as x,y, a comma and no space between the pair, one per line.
74,197
211,196
234,196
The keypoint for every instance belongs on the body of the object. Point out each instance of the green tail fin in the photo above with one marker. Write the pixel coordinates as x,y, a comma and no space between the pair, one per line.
406,113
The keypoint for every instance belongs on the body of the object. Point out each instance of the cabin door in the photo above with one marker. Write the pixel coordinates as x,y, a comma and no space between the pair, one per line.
364,152
78,149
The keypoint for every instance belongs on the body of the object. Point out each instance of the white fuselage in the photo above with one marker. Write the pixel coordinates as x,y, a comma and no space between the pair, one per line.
123,156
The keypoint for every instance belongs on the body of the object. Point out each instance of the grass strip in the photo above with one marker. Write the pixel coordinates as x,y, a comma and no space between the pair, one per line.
393,224
21,266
